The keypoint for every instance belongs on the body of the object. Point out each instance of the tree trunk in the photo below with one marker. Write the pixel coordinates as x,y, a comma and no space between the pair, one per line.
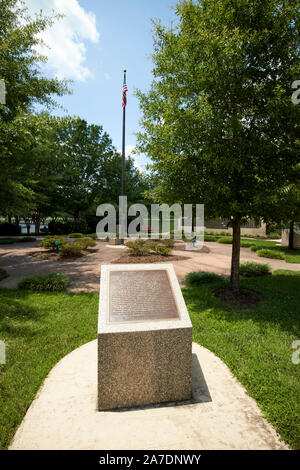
37,223
76,216
235,257
291,236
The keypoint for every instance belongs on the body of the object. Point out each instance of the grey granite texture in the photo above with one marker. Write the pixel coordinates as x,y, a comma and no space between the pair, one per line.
140,368
143,362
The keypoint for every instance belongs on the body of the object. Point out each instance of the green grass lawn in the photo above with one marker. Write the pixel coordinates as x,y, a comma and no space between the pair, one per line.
257,344
260,243
39,329
291,256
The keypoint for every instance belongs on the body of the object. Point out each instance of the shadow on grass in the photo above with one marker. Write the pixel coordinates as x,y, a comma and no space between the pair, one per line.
281,304
22,317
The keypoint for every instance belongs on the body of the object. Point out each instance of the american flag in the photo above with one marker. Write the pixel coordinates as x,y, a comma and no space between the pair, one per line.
124,98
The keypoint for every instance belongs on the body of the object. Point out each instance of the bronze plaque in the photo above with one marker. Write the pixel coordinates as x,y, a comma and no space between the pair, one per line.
141,296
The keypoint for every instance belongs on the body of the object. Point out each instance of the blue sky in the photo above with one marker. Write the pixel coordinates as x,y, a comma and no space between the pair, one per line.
92,45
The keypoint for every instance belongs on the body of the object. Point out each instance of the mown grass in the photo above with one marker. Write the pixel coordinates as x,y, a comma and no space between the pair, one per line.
10,241
41,328
256,344
290,256
38,330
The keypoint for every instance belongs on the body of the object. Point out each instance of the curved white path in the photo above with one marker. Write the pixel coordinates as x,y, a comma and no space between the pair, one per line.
222,415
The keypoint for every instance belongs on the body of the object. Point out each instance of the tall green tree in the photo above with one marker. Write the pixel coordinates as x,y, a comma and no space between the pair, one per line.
34,153
20,62
92,169
88,159
26,86
218,119
285,209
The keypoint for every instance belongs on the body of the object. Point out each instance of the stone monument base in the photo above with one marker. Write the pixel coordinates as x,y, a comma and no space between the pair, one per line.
140,368
115,241
144,337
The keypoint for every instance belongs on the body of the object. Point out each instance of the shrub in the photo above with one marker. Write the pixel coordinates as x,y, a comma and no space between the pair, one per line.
92,235
75,235
225,234
28,239
265,253
138,247
7,241
248,235
257,247
250,269
53,282
227,240
160,249
200,277
3,274
246,243
167,242
208,238
49,242
85,242
163,250
9,229
69,250
274,235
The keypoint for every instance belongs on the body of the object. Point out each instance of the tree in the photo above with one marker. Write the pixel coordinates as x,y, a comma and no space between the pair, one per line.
218,119
84,150
25,87
34,152
285,209
20,62
292,211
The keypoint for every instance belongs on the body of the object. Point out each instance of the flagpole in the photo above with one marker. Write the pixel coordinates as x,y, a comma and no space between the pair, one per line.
123,143
123,189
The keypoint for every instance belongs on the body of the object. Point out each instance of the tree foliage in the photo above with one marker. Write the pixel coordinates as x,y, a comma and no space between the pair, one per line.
219,123
20,62
25,86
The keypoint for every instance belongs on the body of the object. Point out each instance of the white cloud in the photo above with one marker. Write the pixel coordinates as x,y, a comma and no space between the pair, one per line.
129,150
107,76
138,166
66,38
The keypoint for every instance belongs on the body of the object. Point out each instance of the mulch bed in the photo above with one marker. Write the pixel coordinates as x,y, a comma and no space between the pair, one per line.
245,299
53,256
151,258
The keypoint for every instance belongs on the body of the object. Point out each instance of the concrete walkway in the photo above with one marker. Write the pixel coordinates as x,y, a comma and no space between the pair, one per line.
220,416
84,272
219,260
